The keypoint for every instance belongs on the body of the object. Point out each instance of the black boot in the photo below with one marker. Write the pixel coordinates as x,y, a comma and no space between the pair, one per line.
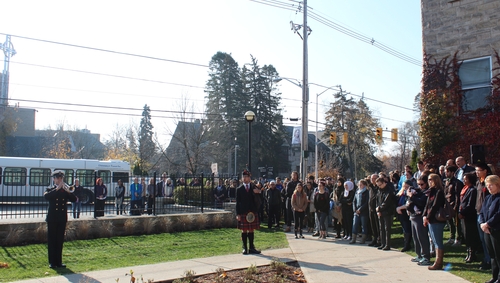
296,234
407,245
252,249
472,256
244,237
466,259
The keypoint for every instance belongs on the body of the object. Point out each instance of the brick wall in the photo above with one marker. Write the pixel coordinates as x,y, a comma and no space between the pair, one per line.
471,27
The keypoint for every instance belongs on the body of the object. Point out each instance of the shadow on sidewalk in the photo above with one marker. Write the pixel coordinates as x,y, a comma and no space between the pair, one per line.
324,267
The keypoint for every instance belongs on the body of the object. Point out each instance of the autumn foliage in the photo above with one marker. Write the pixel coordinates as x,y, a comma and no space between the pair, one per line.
446,130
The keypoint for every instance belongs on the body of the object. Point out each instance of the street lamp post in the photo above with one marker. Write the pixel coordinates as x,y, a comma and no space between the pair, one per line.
250,117
317,140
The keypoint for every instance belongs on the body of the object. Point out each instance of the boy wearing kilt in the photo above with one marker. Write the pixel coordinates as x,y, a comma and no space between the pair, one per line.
247,207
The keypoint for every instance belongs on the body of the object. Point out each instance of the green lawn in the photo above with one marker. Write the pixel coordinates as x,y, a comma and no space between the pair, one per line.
100,254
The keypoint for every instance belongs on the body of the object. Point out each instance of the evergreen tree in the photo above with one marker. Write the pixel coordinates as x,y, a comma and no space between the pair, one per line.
231,92
147,146
225,108
355,119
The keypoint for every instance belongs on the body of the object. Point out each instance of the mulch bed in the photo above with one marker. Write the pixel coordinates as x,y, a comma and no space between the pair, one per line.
290,272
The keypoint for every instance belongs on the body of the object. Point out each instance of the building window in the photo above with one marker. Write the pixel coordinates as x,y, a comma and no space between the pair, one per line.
475,75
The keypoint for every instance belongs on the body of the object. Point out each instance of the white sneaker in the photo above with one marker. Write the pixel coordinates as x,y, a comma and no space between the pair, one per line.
450,241
457,243
424,262
417,259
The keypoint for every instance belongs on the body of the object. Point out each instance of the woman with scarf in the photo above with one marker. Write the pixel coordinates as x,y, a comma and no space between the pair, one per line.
347,213
322,205
119,196
360,209
468,216
299,206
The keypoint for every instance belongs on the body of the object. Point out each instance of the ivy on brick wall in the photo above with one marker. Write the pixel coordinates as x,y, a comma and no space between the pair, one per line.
445,130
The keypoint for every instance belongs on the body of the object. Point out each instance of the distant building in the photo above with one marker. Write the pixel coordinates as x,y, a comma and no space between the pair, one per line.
25,141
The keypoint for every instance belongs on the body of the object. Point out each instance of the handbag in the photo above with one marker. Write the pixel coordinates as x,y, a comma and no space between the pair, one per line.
445,213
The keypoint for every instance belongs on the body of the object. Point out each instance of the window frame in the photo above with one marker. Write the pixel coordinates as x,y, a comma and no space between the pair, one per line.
23,175
42,178
475,87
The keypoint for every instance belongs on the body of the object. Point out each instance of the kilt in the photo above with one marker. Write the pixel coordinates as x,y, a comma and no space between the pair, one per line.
244,225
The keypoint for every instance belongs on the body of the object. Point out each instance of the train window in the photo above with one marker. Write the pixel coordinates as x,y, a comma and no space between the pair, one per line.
69,175
120,176
14,176
40,177
86,177
105,175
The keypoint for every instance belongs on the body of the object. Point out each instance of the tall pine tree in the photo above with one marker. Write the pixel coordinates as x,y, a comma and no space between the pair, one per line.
147,147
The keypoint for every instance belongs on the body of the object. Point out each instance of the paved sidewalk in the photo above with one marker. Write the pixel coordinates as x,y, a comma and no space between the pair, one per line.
329,260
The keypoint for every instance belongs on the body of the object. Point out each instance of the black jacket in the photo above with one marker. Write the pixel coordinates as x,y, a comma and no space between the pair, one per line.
416,203
58,199
363,205
468,204
273,197
372,202
246,201
386,202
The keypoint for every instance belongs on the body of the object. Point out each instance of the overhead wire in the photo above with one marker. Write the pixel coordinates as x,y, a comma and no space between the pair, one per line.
340,28
106,50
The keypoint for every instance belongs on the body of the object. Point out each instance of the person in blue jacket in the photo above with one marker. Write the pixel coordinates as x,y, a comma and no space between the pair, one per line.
489,219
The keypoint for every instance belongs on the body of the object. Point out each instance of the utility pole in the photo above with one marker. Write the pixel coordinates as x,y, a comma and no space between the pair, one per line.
8,51
305,98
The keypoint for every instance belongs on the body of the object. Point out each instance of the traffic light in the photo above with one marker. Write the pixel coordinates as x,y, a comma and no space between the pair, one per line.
394,134
344,138
333,138
378,135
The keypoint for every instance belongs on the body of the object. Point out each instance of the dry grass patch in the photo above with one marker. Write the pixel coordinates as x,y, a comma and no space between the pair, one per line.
149,225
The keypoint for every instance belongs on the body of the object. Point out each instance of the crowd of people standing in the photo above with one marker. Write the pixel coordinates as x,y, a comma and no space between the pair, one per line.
364,211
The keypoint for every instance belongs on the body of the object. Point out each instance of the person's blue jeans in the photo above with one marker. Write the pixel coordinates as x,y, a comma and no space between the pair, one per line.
77,206
436,231
486,258
363,219
322,216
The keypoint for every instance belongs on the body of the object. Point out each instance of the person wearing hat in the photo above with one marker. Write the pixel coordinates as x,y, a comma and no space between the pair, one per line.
247,207
57,216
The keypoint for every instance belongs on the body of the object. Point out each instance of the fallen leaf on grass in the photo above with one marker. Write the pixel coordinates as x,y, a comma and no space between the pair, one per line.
4,265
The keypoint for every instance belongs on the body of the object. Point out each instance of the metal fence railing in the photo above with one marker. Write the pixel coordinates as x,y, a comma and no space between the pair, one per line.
21,196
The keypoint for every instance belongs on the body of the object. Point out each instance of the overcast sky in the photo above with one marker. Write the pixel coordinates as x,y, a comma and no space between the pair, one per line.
192,31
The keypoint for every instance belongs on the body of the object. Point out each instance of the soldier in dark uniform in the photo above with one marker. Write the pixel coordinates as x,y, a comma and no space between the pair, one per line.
57,216
247,203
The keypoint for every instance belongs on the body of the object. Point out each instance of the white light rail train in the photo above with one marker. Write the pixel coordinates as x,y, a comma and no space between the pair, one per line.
23,179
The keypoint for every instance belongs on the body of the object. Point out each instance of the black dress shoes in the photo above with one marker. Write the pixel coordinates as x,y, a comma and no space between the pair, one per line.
492,280
62,265
253,251
245,252
52,266
485,266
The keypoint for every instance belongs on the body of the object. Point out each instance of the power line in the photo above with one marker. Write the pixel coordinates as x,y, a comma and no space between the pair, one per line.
114,108
338,27
105,50
107,75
